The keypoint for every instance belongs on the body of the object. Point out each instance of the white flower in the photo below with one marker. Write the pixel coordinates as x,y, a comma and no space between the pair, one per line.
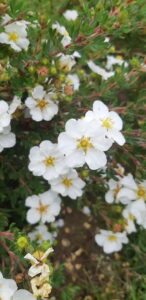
43,207
110,241
41,233
76,54
5,117
8,290
86,210
66,62
66,41
113,194
83,142
15,35
138,210
23,295
129,218
62,30
73,80
70,15
7,139
46,160
38,264
100,71
68,184
111,60
16,102
40,287
109,120
5,19
119,170
40,105
134,191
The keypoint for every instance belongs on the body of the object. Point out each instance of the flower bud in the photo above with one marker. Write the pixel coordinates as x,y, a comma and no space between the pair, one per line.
45,245
45,61
84,173
22,242
31,69
68,90
68,98
53,70
112,49
57,83
62,77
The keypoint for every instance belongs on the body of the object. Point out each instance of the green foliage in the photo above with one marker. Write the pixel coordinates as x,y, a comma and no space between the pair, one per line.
69,292
58,277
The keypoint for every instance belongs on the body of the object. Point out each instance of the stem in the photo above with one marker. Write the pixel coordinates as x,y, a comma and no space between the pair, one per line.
13,258
7,235
11,255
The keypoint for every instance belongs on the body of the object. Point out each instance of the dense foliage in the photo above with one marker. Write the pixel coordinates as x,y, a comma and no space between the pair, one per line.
104,32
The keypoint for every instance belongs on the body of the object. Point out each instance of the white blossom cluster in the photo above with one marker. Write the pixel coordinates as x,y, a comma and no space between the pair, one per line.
15,32
70,15
108,71
126,191
83,142
39,105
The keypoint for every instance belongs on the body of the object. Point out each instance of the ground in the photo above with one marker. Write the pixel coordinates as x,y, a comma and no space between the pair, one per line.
85,265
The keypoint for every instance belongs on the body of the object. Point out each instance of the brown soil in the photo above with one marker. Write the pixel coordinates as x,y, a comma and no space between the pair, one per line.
84,262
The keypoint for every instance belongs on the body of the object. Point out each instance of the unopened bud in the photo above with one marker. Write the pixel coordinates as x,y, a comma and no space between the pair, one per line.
22,242
68,90
57,83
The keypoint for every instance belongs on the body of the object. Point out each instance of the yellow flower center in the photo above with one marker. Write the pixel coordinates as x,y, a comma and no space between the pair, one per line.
38,236
131,217
107,123
116,190
112,238
22,242
42,208
119,57
69,81
65,33
38,255
13,36
49,161
84,144
63,67
41,103
67,182
119,171
141,192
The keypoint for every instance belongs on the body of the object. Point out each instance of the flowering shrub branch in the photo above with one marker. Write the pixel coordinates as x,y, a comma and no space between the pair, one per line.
72,127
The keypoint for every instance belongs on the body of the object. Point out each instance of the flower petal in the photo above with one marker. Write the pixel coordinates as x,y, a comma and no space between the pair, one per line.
95,159
33,216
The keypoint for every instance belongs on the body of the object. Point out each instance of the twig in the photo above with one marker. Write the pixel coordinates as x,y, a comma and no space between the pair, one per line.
12,257
7,235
